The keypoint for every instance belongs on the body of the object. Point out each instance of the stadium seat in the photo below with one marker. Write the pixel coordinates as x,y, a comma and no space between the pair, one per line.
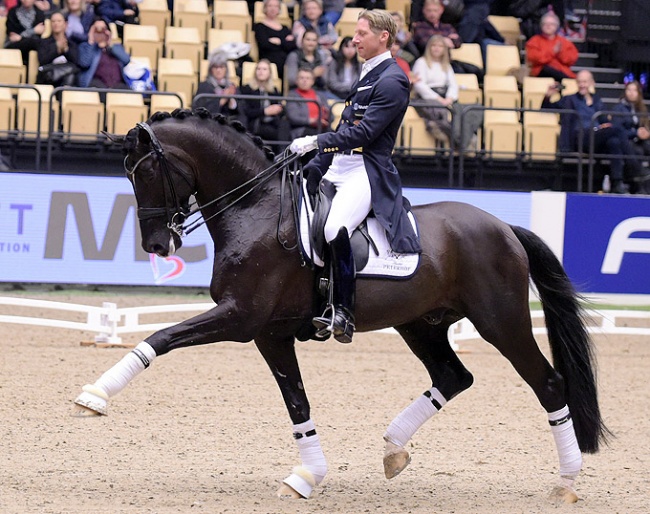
348,21
12,69
501,59
415,138
7,112
534,90
501,91
233,15
508,27
32,67
3,29
541,132
177,75
469,91
570,87
218,37
166,102
469,53
28,109
123,111
336,109
403,6
82,115
184,43
503,134
155,12
144,40
194,13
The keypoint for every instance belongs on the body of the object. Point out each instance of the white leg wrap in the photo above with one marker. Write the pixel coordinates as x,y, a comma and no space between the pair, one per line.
566,442
407,422
131,365
314,466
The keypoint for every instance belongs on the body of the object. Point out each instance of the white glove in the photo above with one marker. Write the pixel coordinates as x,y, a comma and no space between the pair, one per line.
302,145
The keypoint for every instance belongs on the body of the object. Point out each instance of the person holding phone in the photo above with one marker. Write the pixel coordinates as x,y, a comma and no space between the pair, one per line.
100,60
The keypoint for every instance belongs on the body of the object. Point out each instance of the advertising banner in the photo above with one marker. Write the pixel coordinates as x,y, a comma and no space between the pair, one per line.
607,243
80,229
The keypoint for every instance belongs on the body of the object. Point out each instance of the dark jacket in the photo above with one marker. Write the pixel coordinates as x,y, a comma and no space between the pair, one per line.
13,23
572,125
628,120
371,120
47,51
89,56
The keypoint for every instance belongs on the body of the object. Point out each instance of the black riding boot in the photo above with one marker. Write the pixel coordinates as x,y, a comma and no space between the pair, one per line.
341,319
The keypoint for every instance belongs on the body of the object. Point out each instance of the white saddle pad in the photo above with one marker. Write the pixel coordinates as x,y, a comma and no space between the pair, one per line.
387,264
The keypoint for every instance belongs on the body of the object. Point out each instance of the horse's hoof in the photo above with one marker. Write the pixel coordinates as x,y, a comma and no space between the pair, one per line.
289,492
91,399
80,411
561,493
298,485
396,458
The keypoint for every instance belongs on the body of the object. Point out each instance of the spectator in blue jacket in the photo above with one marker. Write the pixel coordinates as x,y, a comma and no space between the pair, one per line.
608,139
118,12
634,118
100,61
80,18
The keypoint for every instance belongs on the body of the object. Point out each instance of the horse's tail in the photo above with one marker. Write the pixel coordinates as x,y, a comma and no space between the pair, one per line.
571,346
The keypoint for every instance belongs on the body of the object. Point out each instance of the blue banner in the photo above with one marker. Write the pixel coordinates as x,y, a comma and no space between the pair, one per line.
607,243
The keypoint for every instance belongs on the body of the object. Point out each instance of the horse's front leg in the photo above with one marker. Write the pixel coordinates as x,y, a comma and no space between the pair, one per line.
280,355
226,322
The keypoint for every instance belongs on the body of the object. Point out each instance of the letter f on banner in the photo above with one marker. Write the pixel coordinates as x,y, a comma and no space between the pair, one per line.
621,243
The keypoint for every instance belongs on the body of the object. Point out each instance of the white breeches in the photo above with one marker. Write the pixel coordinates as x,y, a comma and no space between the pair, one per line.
352,201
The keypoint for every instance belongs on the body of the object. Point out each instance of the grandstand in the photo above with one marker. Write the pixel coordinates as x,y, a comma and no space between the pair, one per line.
43,130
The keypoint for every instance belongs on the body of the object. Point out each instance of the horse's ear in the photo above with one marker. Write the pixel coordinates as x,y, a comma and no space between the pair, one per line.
144,137
114,138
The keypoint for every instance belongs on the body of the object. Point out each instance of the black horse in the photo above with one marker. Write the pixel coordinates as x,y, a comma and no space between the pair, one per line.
472,265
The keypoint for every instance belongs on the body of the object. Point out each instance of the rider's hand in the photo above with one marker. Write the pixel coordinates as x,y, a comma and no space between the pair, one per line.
302,145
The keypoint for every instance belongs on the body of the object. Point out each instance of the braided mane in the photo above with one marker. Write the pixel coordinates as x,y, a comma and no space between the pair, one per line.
130,141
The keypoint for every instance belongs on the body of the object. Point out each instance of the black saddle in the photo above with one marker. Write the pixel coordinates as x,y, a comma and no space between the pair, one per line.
360,239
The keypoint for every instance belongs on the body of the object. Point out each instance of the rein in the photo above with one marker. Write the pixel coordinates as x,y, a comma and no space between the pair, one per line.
177,213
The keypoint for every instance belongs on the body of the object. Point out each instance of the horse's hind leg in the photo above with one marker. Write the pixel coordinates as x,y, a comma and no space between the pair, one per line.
449,377
512,335
280,355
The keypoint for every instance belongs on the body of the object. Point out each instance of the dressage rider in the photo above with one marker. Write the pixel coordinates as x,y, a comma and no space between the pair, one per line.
356,159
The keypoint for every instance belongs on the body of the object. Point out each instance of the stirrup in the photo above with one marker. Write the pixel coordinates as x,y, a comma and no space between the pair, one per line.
324,324
340,323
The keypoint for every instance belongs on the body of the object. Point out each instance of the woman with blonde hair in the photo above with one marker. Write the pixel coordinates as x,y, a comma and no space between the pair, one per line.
264,117
436,86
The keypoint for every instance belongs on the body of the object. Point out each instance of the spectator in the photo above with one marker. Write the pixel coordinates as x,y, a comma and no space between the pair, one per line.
404,39
312,19
25,24
307,118
118,12
634,119
80,17
59,53
333,9
265,117
394,51
431,25
100,60
309,55
608,139
474,26
274,40
436,86
549,54
343,70
218,83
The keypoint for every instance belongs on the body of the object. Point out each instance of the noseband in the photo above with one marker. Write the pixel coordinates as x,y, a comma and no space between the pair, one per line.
175,214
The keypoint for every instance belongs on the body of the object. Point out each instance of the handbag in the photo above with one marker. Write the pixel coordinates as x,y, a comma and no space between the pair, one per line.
441,90
55,73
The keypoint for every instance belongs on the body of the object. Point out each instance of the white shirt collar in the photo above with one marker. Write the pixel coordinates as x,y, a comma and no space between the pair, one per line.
374,62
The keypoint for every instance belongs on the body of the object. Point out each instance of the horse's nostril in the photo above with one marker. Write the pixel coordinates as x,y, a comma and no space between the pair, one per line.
158,249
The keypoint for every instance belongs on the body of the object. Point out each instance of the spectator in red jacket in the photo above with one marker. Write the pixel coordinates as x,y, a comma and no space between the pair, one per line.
549,54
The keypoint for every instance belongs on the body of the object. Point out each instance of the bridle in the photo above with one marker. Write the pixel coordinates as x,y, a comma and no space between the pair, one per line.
177,214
